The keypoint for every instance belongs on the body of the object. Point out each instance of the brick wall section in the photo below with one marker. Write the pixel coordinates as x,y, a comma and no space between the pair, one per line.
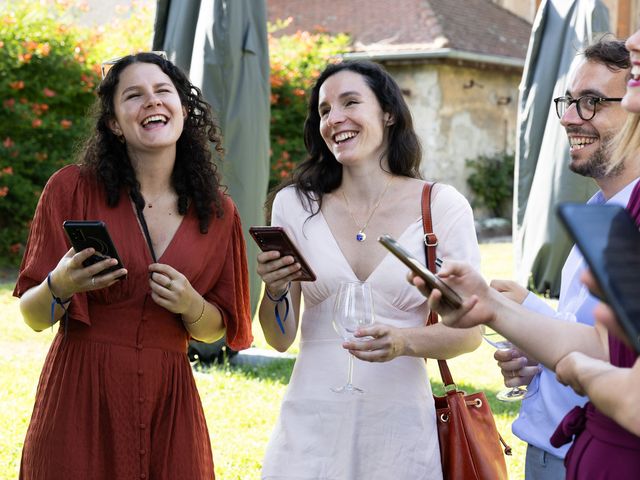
470,25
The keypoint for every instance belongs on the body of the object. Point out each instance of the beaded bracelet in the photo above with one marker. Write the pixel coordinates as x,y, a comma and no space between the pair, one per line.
277,302
199,318
57,301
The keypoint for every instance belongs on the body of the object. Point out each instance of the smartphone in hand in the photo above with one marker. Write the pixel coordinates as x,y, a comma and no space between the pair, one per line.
275,238
92,234
449,296
610,243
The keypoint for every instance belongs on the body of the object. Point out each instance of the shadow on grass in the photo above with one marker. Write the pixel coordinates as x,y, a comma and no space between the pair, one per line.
278,371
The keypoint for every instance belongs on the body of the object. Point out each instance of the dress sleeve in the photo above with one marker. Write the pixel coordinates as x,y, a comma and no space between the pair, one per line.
61,200
278,216
453,223
231,291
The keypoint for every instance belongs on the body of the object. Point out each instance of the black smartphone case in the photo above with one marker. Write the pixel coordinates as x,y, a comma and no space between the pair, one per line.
92,234
610,243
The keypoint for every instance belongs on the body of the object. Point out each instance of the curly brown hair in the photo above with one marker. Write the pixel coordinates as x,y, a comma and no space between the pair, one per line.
195,176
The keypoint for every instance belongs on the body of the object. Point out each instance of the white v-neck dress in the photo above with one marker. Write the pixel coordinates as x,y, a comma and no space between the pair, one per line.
389,432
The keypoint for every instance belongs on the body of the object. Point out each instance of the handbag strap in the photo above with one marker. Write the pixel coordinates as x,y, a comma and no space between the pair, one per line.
430,242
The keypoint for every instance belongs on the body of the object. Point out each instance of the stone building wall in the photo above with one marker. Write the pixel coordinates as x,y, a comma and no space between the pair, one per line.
460,113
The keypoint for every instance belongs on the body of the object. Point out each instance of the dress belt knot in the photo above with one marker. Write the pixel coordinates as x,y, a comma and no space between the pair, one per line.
571,425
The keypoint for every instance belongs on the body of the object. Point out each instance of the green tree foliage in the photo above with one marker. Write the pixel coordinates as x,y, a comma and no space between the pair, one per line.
296,61
49,69
491,181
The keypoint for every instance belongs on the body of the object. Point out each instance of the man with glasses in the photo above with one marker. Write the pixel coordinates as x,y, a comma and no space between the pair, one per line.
586,105
591,115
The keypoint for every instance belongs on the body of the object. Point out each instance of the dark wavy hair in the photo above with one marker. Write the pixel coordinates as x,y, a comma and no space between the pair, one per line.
195,177
320,172
609,52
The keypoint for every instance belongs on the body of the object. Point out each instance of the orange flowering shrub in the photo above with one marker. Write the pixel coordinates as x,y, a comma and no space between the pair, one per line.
296,61
49,70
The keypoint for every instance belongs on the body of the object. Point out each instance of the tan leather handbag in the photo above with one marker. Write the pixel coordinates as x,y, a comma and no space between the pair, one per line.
470,445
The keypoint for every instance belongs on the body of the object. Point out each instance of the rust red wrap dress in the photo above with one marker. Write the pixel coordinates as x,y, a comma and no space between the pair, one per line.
116,397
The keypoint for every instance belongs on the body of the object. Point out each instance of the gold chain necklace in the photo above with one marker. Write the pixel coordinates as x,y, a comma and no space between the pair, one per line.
361,236
150,203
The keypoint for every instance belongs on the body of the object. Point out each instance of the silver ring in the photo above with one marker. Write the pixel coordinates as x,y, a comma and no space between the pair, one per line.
93,281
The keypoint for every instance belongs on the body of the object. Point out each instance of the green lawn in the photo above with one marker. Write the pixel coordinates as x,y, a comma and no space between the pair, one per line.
241,403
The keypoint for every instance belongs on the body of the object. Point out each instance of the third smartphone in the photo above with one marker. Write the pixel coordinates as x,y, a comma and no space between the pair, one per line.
610,243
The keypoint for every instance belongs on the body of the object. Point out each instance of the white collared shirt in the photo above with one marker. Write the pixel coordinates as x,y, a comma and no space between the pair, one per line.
550,401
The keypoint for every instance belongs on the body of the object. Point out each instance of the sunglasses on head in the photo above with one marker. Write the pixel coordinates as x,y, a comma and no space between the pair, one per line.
107,64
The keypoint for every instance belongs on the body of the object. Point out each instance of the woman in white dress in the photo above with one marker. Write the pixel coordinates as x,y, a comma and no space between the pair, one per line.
360,180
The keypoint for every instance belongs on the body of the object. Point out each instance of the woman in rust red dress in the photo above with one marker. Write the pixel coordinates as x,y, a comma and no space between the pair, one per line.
116,397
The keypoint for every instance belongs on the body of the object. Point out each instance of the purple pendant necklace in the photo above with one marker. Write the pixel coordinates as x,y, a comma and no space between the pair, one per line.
361,236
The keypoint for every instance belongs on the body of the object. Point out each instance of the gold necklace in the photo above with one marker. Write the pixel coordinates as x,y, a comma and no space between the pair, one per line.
361,236
149,203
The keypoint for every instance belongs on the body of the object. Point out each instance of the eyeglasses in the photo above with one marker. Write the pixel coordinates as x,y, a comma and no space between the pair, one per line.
107,64
586,105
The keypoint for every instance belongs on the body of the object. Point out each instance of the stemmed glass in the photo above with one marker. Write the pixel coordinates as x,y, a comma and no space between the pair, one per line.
353,308
512,394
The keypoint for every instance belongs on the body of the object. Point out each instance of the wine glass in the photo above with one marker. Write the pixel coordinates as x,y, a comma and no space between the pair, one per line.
353,308
496,340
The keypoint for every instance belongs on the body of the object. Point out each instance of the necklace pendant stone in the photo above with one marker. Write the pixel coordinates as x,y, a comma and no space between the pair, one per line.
361,236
